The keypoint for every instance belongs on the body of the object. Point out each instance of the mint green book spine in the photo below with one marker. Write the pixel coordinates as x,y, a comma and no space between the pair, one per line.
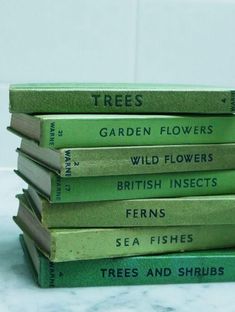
58,189
195,210
67,131
103,161
119,98
175,268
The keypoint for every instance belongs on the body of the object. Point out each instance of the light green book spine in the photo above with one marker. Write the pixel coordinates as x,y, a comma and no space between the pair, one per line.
100,161
134,130
186,267
84,244
206,210
119,98
148,159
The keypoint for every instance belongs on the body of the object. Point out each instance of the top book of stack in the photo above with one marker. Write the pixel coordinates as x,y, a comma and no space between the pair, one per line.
120,98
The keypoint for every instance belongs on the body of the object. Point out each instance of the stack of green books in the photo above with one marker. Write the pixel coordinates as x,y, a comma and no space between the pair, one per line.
127,184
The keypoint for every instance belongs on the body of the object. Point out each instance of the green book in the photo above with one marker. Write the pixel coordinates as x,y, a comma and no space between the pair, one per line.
187,267
195,210
119,98
84,130
104,161
95,243
57,189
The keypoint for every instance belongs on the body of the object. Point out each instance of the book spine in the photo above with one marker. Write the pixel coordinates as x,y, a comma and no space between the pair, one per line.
120,101
136,130
137,213
149,270
107,243
142,186
147,159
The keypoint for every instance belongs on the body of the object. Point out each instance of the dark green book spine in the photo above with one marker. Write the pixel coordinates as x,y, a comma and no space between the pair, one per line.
119,98
142,186
188,267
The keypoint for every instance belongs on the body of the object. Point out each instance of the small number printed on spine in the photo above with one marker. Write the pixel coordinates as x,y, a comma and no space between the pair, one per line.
233,101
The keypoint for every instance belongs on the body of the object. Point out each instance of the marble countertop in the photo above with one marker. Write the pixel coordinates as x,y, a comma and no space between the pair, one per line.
18,290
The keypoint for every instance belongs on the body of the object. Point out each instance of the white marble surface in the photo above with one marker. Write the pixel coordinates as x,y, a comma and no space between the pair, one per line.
18,291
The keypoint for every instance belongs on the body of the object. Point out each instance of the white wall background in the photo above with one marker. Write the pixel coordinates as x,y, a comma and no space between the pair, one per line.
165,41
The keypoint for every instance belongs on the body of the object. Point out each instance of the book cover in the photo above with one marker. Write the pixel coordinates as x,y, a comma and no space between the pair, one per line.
95,243
84,130
187,267
103,161
57,189
197,210
119,98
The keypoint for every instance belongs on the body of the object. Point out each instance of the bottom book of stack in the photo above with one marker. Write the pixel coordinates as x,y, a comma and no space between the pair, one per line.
186,267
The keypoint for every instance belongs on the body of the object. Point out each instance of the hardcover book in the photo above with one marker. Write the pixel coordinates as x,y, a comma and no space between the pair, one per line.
195,210
84,130
103,161
57,189
119,98
95,243
187,267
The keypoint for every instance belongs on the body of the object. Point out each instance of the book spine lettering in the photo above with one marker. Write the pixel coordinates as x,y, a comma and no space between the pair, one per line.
138,213
120,101
120,242
137,131
51,269
157,159
142,186
144,270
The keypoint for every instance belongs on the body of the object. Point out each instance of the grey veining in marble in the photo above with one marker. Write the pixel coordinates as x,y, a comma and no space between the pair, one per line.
19,293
